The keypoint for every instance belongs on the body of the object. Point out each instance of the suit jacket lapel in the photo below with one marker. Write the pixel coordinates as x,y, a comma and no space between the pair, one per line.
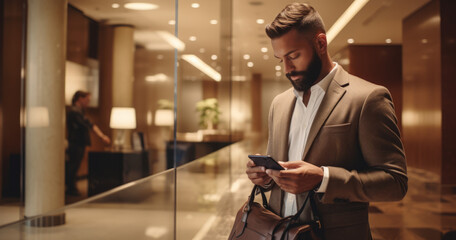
333,95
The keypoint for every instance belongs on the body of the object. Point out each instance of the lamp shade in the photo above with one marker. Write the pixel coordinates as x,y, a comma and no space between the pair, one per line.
123,118
164,117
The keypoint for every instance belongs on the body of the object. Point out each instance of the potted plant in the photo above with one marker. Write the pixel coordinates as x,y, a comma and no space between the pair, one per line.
209,112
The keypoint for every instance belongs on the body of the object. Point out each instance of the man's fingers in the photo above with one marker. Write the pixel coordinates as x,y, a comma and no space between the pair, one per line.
255,170
276,173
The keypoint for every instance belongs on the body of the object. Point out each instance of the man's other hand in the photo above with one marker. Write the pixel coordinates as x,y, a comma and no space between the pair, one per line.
257,174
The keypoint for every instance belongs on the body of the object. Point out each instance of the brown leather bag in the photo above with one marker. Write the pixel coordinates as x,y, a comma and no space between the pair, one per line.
255,221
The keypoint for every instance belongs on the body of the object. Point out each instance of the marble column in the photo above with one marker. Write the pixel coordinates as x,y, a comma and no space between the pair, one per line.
122,73
45,111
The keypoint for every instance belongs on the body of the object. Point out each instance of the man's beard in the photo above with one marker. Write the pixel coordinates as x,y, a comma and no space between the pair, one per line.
307,77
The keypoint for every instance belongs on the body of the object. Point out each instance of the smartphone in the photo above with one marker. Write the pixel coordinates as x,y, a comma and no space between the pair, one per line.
267,161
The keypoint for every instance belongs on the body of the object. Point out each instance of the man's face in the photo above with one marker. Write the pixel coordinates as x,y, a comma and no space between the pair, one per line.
301,62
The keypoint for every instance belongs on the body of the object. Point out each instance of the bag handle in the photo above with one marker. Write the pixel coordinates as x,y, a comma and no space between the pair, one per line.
248,207
289,219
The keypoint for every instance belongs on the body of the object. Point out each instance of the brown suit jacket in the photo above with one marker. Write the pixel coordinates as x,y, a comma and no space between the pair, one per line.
355,135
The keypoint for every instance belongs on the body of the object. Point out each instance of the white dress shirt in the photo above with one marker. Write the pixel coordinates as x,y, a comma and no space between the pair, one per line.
301,122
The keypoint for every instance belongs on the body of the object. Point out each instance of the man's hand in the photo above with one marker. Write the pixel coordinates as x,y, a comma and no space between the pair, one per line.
257,174
298,177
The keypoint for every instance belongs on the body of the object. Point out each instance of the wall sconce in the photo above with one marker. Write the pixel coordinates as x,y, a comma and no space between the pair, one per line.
122,118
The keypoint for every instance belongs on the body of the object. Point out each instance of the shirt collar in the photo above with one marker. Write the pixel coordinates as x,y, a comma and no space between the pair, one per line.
323,84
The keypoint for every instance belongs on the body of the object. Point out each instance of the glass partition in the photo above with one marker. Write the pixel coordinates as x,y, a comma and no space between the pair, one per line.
143,209
162,95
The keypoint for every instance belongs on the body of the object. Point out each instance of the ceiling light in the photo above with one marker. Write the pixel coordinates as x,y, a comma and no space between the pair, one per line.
250,64
278,74
202,66
424,41
278,68
260,21
214,57
213,21
265,57
172,40
192,38
140,6
158,40
350,40
388,40
115,5
264,49
172,22
239,78
246,56
202,50
195,5
342,21
160,77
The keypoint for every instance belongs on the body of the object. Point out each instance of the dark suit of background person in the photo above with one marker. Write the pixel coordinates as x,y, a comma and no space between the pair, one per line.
354,135
78,126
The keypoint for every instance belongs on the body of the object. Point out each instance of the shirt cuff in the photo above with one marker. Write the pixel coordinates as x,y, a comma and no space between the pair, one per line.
324,182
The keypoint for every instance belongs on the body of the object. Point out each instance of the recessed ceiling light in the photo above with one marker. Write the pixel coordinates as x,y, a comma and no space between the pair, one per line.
388,40
278,74
424,41
250,64
172,22
350,40
140,6
195,5
264,49
214,57
265,57
260,21
115,5
202,50
246,56
278,68
213,21
192,38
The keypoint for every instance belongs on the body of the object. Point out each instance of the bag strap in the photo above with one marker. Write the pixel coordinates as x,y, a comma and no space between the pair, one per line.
248,205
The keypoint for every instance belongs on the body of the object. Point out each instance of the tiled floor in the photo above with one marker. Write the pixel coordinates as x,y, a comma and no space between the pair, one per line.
425,213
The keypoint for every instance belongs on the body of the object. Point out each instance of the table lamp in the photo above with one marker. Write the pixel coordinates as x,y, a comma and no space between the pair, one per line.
122,119
164,117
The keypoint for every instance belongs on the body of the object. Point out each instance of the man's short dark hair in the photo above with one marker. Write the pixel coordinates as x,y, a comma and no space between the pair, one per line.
300,16
77,95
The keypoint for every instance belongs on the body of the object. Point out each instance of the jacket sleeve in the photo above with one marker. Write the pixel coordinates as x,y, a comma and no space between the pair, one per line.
385,176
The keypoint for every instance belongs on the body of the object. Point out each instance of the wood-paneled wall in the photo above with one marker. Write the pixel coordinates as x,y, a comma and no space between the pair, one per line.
382,65
10,86
448,28
429,57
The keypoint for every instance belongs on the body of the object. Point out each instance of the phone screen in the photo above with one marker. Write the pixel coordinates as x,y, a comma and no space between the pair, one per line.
266,161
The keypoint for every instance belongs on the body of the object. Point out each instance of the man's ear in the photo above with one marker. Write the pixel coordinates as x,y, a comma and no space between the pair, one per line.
321,43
